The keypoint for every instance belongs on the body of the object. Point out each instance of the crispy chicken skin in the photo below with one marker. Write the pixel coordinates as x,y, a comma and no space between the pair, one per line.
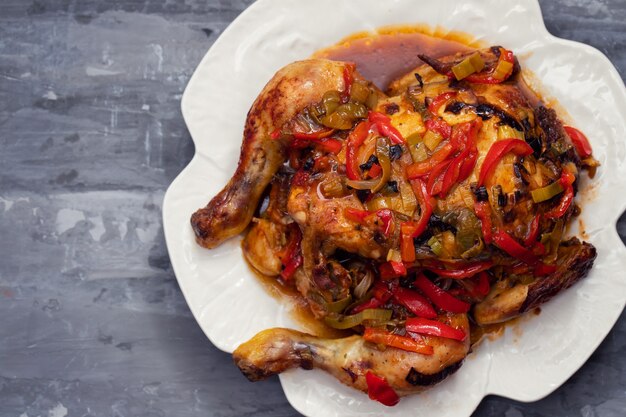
276,350
346,230
291,89
506,302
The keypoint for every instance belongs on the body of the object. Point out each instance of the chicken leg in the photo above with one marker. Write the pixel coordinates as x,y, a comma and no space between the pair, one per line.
276,350
288,92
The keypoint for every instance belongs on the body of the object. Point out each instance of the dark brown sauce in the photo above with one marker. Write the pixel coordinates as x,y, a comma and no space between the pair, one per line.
383,57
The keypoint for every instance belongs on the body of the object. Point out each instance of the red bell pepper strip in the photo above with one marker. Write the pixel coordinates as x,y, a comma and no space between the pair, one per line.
407,248
382,292
378,389
468,164
386,216
497,151
561,209
469,270
383,124
533,231
566,180
440,297
359,216
355,140
508,244
435,179
483,212
580,141
477,287
324,133
440,126
440,100
371,303
415,302
423,168
419,188
392,269
330,145
291,258
400,342
467,161
348,79
374,171
452,174
434,328
488,77
356,215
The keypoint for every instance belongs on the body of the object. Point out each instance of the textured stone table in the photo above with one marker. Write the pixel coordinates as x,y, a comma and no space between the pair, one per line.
92,322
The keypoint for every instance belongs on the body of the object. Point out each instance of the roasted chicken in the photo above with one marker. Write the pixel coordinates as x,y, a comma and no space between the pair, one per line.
401,216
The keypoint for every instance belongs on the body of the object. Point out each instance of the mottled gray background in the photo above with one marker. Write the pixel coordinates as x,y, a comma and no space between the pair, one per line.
92,320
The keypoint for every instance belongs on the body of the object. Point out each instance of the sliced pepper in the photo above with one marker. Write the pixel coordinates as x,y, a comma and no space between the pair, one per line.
566,180
383,124
477,287
500,73
440,126
369,304
508,244
407,248
419,188
580,141
468,270
546,193
483,212
421,169
378,389
440,297
348,79
291,258
324,133
390,270
533,231
384,159
497,152
435,179
400,342
433,328
355,139
347,322
383,291
415,302
386,216
330,145
360,216
440,100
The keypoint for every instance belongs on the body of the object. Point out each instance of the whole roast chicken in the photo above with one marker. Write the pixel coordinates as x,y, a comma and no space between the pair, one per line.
403,216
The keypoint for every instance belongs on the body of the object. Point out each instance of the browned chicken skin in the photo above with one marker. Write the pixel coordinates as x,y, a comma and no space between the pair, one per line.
290,90
276,350
311,201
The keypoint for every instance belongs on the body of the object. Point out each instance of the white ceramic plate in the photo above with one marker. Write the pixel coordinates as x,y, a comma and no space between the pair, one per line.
528,362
